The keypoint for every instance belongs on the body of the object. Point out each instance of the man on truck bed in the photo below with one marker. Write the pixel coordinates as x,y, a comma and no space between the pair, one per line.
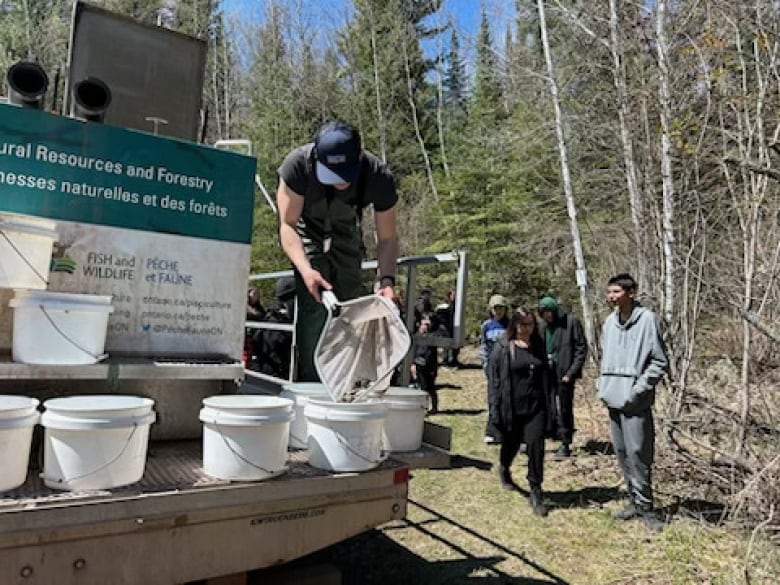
323,188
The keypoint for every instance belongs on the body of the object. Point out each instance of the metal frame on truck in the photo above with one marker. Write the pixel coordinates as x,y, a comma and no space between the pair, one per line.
409,265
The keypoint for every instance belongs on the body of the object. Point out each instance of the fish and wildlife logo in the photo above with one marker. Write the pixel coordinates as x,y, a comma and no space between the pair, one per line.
60,261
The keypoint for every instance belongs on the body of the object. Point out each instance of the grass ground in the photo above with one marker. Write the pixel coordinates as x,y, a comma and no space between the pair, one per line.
462,528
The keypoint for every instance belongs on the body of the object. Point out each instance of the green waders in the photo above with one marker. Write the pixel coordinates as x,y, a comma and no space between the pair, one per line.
340,266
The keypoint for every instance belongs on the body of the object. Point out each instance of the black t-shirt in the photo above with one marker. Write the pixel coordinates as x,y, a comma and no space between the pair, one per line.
375,186
527,374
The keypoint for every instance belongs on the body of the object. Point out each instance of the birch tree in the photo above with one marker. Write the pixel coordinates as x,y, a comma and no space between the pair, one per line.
581,271
667,180
635,196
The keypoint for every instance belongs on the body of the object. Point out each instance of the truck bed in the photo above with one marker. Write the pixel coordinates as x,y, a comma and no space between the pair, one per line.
179,525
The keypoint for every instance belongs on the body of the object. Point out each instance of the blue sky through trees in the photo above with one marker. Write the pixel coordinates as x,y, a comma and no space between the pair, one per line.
329,15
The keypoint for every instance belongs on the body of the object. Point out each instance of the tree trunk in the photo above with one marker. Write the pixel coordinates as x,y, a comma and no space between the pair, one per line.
665,101
377,93
579,257
635,196
416,122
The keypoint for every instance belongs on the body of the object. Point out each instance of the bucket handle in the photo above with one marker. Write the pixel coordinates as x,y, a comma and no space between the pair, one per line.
94,471
241,457
383,455
297,438
99,357
22,256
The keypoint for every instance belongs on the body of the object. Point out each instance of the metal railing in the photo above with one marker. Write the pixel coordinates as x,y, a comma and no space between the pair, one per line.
408,265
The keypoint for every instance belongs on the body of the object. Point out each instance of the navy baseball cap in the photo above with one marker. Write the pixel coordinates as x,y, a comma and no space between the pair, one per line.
337,151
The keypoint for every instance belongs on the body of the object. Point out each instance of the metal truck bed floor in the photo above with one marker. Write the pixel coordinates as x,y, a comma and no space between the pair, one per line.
171,466
179,525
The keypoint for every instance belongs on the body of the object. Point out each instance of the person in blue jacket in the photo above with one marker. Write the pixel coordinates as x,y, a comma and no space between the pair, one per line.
633,361
492,329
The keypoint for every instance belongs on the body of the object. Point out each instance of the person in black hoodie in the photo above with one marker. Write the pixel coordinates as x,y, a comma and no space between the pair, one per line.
273,348
517,403
566,351
424,366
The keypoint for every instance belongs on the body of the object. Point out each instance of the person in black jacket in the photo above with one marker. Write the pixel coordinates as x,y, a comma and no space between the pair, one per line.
566,348
517,401
425,366
274,348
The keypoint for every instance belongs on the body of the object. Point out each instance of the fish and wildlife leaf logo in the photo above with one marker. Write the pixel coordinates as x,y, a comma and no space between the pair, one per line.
60,261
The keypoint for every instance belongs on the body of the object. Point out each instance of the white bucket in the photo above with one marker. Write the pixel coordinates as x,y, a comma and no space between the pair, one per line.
95,442
245,436
345,436
25,251
300,394
59,328
405,418
18,416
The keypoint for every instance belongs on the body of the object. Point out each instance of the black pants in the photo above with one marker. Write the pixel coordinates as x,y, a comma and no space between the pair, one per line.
564,414
451,356
426,380
529,430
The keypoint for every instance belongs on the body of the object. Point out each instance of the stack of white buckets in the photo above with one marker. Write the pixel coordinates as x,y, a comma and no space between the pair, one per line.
355,436
90,442
246,437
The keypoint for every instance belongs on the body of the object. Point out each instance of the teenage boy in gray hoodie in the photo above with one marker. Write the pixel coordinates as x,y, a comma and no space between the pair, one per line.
633,361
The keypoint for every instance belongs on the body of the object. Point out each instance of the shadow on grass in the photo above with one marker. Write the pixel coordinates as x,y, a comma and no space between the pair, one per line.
702,510
461,461
593,447
373,558
499,576
463,411
448,386
582,498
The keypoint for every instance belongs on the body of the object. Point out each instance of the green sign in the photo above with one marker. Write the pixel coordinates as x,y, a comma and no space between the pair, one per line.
61,168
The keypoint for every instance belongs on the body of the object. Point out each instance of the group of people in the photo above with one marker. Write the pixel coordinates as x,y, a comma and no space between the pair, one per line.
269,350
532,360
531,364
439,321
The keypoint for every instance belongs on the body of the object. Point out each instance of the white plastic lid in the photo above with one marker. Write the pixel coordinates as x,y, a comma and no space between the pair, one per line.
27,224
98,403
344,411
57,301
246,409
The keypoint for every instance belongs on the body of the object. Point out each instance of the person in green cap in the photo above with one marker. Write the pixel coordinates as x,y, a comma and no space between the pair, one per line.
567,348
323,187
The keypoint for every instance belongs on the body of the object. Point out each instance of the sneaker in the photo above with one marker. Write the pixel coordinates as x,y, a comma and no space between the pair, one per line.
490,440
537,503
563,452
523,448
629,512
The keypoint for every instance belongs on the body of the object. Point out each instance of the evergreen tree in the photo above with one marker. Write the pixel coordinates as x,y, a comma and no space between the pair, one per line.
486,102
455,95
146,11
382,44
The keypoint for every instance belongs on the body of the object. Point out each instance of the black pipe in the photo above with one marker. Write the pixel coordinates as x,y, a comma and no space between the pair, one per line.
91,98
27,84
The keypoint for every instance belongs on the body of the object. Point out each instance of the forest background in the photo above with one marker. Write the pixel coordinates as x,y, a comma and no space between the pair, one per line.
559,142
